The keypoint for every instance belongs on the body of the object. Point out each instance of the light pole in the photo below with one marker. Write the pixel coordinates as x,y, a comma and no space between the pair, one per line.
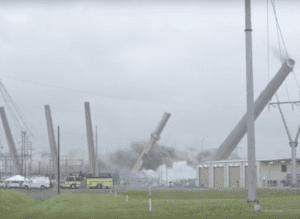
251,175
270,174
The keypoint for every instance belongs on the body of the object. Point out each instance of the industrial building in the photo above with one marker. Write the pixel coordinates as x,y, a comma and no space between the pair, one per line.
232,173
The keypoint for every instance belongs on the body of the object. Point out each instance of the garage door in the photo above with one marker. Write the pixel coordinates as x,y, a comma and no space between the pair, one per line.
234,177
204,177
219,177
246,169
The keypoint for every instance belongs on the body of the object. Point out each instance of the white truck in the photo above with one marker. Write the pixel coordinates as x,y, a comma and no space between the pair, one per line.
37,183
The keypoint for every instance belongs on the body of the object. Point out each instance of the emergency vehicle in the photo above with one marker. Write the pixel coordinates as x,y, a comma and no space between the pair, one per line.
37,183
103,181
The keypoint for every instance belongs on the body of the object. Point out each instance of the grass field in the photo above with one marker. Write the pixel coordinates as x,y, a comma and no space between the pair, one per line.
165,204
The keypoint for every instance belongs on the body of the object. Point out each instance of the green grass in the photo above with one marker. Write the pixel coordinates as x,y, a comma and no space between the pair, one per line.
165,204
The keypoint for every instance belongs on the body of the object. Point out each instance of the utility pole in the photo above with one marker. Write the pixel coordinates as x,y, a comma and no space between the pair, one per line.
58,175
66,166
39,167
1,155
23,133
167,175
96,158
287,102
10,166
30,158
25,149
250,107
292,143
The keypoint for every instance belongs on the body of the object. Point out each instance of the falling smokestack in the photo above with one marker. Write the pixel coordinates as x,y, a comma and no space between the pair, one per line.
90,138
51,137
240,130
10,140
155,136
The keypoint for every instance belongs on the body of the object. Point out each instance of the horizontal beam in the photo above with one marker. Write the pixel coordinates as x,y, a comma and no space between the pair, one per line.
289,102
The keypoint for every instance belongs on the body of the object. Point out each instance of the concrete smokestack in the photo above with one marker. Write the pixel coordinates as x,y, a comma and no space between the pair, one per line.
240,130
90,138
10,140
51,137
155,136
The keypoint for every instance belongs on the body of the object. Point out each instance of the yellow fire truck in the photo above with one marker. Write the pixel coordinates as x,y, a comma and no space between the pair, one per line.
103,181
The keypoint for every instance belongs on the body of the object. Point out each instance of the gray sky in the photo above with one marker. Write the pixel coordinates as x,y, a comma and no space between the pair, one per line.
133,62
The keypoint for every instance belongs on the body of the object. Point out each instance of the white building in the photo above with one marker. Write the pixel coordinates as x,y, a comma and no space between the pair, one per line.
232,173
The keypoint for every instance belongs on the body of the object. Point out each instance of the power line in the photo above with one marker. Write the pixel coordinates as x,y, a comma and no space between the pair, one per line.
278,27
12,106
102,95
21,115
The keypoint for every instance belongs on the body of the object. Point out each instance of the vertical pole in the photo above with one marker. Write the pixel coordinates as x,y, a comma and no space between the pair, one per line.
66,167
167,175
30,159
22,145
6,170
294,164
25,149
50,166
39,167
58,175
269,184
96,158
250,107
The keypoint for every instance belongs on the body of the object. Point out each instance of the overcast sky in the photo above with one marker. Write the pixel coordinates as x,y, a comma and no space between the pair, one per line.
135,61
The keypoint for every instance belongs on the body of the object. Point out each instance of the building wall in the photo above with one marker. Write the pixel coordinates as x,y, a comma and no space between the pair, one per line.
265,171
273,171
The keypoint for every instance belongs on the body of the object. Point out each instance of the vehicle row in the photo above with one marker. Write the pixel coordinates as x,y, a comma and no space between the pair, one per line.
36,182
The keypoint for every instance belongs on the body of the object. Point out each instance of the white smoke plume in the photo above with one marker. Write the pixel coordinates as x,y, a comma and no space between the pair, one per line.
180,170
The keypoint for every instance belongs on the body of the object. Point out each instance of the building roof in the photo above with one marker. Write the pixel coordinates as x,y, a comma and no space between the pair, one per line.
246,160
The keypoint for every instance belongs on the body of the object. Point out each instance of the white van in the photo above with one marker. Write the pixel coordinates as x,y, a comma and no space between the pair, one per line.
13,184
37,183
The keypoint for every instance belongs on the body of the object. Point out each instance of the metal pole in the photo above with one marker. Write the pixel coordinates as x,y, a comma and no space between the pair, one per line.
58,173
25,149
96,158
22,136
250,107
167,175
30,159
294,163
66,167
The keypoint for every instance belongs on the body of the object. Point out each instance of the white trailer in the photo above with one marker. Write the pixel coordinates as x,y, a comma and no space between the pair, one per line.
37,183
